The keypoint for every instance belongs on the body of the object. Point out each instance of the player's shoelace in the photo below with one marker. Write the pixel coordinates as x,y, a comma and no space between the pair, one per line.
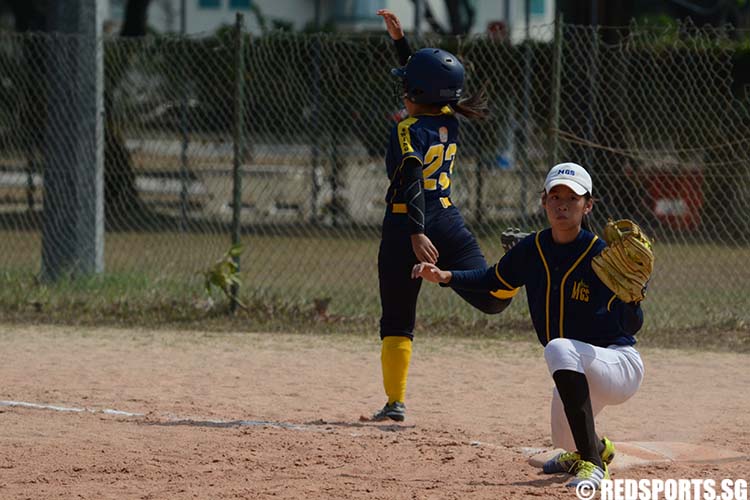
569,456
563,462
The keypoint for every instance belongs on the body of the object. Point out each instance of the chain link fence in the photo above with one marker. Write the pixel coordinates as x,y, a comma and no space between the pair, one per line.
658,116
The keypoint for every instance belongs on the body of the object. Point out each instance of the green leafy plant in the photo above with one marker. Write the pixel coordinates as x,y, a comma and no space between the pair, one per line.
224,274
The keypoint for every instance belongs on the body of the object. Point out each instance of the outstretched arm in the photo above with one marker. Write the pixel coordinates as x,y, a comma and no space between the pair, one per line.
475,279
393,26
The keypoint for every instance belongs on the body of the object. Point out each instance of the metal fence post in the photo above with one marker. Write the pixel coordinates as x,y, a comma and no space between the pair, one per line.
524,167
554,116
593,84
478,171
239,138
73,220
184,133
315,131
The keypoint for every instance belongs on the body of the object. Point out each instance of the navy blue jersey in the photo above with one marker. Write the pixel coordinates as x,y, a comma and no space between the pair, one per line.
566,298
431,139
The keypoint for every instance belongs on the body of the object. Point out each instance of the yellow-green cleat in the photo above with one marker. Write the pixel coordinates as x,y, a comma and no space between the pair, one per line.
566,461
588,474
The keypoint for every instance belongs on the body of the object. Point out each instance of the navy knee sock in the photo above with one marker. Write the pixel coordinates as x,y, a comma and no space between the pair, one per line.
574,392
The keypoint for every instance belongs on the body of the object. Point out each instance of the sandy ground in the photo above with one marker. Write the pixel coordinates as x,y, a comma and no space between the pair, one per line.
473,406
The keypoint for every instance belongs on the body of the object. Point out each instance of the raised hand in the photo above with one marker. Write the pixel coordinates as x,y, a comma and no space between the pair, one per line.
392,24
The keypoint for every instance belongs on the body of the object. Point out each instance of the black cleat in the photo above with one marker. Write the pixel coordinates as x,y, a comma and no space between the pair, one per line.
395,411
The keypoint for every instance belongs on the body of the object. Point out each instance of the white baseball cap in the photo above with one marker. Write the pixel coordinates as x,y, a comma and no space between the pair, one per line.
569,174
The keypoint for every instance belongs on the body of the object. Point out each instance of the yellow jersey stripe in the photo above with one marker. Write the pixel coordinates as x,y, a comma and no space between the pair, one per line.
504,294
497,274
401,208
562,283
404,138
549,284
609,304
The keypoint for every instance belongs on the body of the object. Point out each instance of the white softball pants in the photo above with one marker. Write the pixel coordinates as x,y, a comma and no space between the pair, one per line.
614,375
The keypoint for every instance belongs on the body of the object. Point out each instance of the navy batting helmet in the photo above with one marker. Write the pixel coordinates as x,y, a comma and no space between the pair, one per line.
432,76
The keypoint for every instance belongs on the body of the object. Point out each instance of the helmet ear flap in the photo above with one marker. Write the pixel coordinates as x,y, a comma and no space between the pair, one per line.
413,94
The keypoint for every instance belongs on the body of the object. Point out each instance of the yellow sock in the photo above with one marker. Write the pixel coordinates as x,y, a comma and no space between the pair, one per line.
394,358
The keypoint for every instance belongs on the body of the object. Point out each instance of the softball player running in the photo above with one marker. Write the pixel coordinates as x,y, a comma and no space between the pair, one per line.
421,223
587,331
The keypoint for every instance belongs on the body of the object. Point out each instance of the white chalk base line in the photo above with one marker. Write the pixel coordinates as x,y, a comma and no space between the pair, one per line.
170,421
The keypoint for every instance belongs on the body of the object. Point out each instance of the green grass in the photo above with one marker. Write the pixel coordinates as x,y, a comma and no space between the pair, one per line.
698,296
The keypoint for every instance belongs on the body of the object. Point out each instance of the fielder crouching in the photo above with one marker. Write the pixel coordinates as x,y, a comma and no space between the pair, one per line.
584,300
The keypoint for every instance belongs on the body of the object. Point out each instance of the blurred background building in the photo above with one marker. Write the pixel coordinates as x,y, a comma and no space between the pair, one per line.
508,19
497,17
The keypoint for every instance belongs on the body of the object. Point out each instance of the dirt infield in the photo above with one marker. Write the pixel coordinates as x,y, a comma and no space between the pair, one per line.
277,416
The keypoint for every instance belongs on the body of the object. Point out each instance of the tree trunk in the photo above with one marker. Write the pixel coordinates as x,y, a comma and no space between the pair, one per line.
123,207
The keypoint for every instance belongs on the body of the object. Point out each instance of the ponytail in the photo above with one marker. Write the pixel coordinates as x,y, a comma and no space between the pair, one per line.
473,107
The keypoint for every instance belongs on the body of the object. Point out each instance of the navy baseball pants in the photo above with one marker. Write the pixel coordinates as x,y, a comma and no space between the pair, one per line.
458,250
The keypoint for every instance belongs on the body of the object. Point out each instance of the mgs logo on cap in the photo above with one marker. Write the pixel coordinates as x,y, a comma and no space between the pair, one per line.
569,174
